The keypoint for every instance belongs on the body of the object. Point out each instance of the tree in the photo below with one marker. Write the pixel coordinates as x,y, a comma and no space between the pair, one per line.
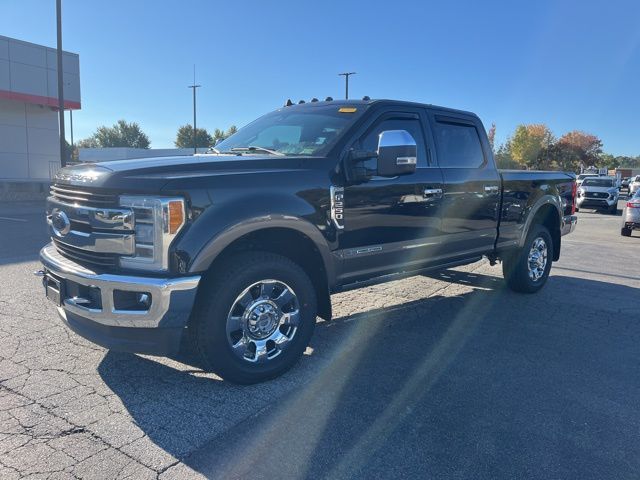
121,134
184,137
491,135
219,135
503,157
575,149
530,146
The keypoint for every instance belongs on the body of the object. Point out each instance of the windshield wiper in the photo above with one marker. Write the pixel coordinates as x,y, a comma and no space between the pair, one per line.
252,148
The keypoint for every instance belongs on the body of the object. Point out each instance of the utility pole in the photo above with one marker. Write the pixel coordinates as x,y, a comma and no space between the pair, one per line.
63,160
346,81
194,86
71,126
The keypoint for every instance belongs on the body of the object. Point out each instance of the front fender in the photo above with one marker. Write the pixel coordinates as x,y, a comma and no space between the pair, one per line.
220,225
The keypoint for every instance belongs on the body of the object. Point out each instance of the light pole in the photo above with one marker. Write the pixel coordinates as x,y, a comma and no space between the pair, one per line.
63,160
346,82
194,86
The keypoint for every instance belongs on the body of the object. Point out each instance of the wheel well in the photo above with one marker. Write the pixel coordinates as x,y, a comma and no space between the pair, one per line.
548,216
291,244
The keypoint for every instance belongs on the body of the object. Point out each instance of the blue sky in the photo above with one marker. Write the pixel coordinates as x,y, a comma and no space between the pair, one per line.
569,64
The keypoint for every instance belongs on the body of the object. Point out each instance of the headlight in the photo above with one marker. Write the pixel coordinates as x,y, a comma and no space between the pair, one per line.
157,220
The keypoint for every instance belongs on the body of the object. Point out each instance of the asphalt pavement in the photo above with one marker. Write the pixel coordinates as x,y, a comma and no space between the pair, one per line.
441,376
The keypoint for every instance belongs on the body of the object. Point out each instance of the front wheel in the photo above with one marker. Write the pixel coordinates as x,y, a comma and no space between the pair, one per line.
254,319
526,269
625,232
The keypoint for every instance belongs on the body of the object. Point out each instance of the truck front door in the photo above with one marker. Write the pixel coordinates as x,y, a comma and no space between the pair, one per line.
391,223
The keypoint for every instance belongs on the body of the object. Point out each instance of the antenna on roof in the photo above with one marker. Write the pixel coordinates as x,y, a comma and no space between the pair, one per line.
288,103
366,98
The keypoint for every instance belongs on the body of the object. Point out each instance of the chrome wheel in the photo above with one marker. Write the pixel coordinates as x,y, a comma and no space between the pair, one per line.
537,260
262,321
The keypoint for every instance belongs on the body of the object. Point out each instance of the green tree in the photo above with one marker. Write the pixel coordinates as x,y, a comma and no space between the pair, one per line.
121,134
184,137
219,135
530,146
503,157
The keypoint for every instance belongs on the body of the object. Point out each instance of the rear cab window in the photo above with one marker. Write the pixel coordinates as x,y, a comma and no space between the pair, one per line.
458,143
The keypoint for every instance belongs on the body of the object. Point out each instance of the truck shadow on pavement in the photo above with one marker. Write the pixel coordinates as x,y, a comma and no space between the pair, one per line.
484,383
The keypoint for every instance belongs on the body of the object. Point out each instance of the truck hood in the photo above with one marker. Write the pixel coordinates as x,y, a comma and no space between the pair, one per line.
151,174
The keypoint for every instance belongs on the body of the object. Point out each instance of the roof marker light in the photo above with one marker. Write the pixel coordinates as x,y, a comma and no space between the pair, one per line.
301,102
328,99
314,99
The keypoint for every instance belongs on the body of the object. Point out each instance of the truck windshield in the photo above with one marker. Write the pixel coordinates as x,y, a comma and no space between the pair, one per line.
307,130
597,182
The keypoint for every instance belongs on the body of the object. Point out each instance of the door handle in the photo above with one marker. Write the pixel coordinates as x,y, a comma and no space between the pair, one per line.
432,192
491,189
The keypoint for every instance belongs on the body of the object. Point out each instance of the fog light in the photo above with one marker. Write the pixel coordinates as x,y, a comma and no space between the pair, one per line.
136,301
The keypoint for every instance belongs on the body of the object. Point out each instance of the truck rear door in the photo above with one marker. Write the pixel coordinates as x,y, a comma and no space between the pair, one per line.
472,185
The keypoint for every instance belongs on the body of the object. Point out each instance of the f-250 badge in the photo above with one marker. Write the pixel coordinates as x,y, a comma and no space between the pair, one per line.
337,206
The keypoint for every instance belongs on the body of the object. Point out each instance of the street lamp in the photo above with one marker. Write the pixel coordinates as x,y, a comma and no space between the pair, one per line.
194,86
63,160
346,81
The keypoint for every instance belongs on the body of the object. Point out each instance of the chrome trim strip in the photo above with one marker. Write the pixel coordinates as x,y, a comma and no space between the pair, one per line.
171,298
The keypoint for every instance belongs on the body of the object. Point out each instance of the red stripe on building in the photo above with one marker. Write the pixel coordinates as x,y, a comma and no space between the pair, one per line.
38,100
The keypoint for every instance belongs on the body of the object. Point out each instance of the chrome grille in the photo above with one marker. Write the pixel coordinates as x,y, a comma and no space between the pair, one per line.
86,257
82,196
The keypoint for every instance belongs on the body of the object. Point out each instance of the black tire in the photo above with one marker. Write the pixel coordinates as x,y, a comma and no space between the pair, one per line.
577,209
208,327
515,266
625,232
614,209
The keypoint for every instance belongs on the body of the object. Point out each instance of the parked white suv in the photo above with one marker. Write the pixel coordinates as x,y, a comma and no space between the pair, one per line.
600,193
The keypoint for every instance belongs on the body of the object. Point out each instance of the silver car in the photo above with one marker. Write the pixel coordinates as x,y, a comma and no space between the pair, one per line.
631,215
599,193
634,184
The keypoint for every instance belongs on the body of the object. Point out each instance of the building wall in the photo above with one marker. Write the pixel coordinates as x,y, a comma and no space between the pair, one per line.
125,153
29,147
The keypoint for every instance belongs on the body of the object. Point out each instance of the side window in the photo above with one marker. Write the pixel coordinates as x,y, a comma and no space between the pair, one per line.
458,145
412,125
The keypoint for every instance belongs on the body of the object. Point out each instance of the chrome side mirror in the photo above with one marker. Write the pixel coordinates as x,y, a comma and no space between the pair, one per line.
397,153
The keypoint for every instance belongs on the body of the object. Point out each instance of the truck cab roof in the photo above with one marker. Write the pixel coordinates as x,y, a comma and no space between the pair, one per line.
377,102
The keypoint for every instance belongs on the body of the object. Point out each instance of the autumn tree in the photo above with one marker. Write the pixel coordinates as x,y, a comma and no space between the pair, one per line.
121,134
576,148
491,135
184,137
530,146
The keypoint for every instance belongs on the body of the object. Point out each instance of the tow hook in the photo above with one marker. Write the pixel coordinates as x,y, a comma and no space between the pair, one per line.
39,273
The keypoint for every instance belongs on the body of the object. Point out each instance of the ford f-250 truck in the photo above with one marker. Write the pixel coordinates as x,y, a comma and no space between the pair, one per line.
240,249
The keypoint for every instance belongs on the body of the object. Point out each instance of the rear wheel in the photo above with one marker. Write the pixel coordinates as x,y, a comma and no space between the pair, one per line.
254,320
526,269
625,232
613,210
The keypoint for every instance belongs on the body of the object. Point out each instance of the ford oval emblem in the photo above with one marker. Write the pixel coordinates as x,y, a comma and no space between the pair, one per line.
60,223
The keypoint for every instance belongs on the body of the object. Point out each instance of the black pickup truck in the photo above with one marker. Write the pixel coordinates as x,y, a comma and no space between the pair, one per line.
239,250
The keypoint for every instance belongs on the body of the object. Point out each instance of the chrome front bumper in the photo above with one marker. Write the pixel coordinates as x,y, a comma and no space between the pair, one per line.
171,298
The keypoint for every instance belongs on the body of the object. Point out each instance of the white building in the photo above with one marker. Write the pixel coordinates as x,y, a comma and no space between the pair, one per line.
29,145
